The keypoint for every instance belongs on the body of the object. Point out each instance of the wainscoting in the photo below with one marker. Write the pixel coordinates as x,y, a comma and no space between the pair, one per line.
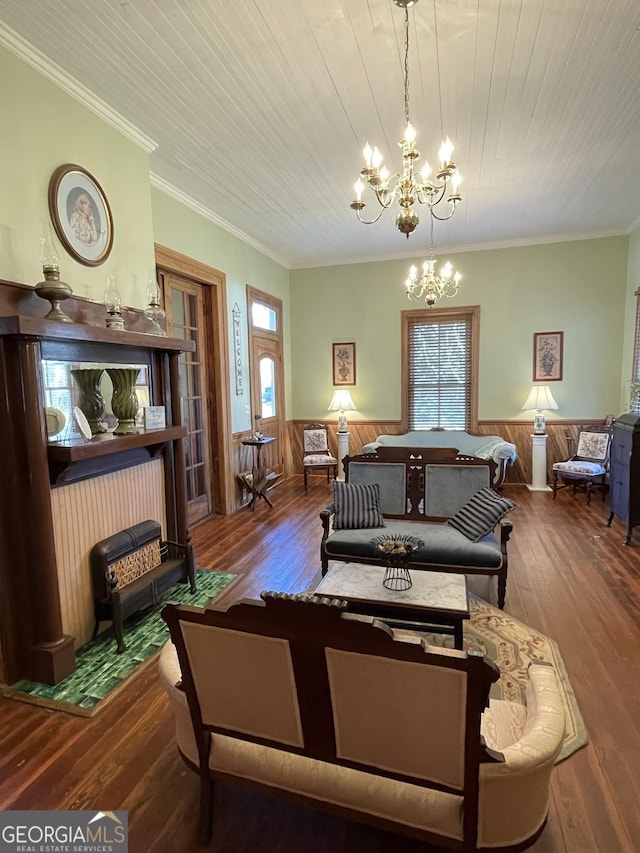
364,432
516,432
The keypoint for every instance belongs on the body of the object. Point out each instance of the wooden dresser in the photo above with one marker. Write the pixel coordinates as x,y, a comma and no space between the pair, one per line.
625,472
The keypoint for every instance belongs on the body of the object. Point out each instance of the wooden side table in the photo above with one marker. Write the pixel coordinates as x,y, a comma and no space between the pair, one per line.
260,483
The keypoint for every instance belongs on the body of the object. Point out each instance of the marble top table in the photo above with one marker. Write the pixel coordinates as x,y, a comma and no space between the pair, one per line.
437,601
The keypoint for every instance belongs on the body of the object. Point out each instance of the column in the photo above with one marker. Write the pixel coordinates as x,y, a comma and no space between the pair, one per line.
343,450
539,464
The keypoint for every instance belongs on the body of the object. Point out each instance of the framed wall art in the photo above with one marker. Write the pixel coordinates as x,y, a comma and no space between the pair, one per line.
344,364
80,214
547,356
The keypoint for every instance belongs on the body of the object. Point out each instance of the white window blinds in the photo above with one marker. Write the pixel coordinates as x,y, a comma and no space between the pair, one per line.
440,378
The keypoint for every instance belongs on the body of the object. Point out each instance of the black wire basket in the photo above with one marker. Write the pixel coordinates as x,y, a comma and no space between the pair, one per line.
395,552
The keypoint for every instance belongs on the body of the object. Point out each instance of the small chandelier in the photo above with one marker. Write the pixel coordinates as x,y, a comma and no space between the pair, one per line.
432,286
409,186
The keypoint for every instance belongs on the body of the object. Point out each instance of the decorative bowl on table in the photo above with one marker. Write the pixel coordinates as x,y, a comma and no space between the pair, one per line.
395,551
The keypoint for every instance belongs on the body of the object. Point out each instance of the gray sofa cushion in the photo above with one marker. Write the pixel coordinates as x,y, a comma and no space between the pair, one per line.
480,514
443,545
356,506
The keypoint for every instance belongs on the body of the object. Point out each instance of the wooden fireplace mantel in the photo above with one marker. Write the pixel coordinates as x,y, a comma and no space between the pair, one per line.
33,643
70,461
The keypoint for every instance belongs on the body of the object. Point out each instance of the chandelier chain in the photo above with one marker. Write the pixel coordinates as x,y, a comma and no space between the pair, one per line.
406,67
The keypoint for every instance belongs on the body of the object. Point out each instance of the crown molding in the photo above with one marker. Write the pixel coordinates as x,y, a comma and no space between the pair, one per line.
33,57
314,263
168,189
633,225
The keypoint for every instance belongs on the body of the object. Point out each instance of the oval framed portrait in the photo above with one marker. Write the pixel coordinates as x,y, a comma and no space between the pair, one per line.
81,215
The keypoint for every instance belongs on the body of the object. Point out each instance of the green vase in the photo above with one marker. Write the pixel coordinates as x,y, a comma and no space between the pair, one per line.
91,401
124,402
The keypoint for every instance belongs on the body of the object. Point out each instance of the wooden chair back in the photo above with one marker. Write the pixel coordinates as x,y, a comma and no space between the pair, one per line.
297,673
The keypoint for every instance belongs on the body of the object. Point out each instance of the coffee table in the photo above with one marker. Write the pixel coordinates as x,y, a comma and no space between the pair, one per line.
436,601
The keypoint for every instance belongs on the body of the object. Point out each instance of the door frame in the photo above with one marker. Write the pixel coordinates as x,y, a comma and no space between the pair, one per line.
172,262
253,294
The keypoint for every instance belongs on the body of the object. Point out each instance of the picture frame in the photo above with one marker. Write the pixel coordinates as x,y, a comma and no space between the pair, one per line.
547,356
344,363
80,214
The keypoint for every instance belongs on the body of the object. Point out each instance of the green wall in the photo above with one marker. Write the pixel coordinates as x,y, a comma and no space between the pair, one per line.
180,228
578,287
633,284
42,128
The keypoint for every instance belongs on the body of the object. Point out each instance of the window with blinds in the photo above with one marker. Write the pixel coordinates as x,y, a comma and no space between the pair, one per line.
440,369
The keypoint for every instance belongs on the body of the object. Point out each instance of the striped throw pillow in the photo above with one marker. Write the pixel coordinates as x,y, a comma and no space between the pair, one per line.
356,506
480,514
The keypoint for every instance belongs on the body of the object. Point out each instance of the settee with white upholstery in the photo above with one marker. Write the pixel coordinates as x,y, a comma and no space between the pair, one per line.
493,447
296,697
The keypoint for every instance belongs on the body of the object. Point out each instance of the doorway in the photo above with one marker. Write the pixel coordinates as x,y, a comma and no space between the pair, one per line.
185,308
266,374
195,303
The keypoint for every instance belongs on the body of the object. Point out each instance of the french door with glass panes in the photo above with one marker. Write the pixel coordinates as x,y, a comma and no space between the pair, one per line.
185,304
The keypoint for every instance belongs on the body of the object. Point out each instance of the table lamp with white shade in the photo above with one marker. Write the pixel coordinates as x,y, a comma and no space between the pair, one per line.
539,400
341,402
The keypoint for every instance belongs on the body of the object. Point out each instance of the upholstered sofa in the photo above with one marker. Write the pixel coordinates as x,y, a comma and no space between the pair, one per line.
296,697
419,491
493,447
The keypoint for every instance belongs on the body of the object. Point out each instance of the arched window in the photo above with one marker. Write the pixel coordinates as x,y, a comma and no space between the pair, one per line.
268,387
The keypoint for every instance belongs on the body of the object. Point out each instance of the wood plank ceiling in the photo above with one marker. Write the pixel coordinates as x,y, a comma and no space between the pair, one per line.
260,109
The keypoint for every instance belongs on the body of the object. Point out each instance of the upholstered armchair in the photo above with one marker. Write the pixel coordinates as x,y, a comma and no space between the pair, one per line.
317,456
588,467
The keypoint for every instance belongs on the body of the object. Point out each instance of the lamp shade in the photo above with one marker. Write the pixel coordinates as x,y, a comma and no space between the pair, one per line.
342,402
540,398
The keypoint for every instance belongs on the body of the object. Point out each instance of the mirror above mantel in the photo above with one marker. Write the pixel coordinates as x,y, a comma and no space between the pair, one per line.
62,395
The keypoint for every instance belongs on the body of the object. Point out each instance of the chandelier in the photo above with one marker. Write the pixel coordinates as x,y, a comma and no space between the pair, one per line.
431,285
409,186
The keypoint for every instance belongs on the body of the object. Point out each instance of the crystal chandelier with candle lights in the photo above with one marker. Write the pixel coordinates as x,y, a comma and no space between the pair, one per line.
430,285
410,186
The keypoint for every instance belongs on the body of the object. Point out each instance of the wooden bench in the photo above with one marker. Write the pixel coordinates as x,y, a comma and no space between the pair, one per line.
420,488
132,569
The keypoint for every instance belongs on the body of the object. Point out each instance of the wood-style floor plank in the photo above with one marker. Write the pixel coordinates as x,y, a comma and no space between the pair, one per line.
570,577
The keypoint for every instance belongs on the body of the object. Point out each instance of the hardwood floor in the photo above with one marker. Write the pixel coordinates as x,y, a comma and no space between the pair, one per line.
569,576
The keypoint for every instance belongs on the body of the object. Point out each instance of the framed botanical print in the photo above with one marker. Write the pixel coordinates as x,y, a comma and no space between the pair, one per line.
80,214
547,356
344,364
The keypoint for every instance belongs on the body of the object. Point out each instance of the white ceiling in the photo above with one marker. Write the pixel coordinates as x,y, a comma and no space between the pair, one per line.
260,109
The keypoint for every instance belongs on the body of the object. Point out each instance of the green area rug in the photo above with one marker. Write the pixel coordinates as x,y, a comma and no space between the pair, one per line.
100,671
